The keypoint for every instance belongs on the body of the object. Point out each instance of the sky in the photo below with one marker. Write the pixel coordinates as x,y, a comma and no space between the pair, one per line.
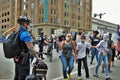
110,7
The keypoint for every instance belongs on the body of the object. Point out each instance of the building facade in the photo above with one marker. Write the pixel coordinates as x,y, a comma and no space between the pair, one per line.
7,15
51,15
104,26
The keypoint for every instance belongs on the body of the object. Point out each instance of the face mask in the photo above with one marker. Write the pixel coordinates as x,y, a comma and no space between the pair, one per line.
67,38
82,41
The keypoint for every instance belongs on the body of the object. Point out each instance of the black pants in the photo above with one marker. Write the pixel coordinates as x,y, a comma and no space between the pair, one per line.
40,51
21,71
84,60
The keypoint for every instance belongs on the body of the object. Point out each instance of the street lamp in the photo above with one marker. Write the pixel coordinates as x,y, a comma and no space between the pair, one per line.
100,15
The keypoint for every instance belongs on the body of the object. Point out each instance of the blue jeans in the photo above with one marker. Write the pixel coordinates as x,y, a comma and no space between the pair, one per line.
105,60
67,63
94,52
57,48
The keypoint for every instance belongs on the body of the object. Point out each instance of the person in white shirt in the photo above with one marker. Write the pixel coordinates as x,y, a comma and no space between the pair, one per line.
81,56
103,49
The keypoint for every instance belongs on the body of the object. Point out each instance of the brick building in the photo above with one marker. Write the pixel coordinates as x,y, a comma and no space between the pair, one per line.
48,15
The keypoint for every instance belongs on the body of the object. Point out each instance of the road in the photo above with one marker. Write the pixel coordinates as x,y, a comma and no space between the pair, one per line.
55,68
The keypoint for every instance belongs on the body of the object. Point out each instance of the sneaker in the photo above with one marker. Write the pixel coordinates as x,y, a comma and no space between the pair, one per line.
70,76
113,65
109,78
96,75
90,62
102,71
79,78
110,71
65,79
88,78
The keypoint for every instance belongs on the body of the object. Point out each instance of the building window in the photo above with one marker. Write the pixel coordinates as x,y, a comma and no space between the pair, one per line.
8,19
73,24
8,13
2,15
65,14
73,16
42,20
5,14
51,11
42,11
2,21
5,26
54,11
78,17
5,20
24,0
80,2
73,1
25,7
52,31
53,2
78,24
79,10
65,5
52,20
41,2
65,22
25,14
73,8
39,20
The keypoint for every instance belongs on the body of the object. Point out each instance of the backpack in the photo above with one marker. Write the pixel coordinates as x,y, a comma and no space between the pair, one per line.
11,45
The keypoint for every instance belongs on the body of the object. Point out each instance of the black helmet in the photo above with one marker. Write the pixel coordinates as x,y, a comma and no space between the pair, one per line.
23,19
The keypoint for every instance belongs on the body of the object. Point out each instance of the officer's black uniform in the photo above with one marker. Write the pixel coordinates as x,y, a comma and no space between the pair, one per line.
41,45
22,64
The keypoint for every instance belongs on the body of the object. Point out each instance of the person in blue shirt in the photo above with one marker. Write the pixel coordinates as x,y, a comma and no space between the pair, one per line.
22,63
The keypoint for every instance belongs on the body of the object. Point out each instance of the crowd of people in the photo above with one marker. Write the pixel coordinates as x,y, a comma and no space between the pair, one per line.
76,48
80,45
70,48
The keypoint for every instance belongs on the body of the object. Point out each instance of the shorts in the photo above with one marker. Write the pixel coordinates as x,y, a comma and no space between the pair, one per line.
109,54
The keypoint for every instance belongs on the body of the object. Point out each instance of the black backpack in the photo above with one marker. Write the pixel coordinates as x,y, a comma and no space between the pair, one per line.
11,45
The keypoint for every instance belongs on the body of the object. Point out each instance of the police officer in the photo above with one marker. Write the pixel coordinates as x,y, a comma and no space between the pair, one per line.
41,41
22,64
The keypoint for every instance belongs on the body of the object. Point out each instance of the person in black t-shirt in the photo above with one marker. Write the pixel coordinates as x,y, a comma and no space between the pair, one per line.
94,41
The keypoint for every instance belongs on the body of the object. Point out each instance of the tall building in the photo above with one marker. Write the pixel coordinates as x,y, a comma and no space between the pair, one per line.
7,15
50,15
